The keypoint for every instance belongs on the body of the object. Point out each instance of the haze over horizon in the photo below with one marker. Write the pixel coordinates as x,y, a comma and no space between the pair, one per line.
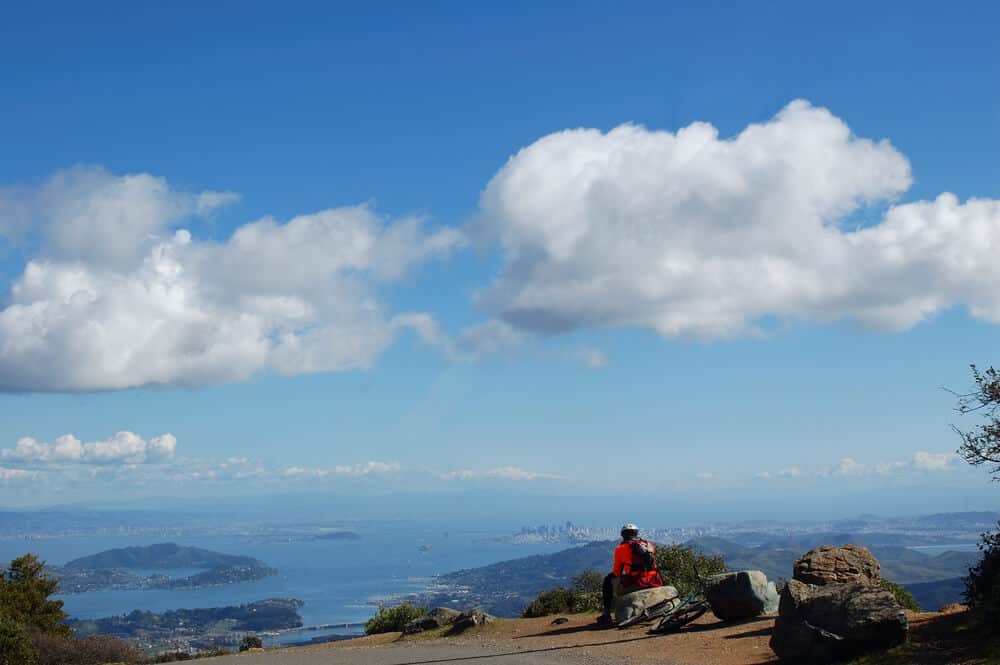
535,253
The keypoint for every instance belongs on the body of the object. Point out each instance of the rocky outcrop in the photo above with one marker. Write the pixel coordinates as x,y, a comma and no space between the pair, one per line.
436,618
471,619
820,624
633,603
833,565
741,595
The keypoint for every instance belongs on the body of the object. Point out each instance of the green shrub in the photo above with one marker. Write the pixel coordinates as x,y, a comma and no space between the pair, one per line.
585,596
587,587
15,648
250,642
213,653
589,581
392,619
902,595
678,563
554,601
97,650
170,657
982,585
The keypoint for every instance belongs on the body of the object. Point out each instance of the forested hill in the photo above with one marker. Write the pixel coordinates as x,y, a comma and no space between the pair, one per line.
899,564
534,573
161,556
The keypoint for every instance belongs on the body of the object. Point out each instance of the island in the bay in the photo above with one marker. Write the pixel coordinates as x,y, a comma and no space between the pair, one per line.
195,629
114,569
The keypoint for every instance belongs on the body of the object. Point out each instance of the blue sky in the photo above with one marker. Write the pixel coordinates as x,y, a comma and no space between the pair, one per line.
518,322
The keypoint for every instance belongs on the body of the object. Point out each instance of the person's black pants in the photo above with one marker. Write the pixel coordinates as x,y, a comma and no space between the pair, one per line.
608,592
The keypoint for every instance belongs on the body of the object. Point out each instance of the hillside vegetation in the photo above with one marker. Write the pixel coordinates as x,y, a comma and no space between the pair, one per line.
506,588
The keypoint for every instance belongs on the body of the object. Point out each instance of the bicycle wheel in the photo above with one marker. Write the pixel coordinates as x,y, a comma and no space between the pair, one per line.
652,612
681,617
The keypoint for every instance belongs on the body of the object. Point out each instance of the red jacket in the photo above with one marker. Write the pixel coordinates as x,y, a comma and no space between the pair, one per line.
637,579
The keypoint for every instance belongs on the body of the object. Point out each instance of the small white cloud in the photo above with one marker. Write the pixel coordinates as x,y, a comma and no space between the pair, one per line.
368,469
706,475
886,468
850,467
303,472
790,472
209,202
921,461
487,338
357,470
501,473
590,358
15,474
934,461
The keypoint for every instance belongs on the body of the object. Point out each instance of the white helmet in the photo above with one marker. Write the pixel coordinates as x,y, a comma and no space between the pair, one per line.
630,527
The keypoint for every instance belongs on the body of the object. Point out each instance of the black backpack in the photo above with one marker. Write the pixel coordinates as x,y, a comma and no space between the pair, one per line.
642,556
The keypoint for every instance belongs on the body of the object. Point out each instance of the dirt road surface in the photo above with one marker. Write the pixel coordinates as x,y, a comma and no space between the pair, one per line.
538,642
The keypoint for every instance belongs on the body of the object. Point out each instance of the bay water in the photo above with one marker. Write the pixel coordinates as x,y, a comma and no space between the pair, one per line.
340,581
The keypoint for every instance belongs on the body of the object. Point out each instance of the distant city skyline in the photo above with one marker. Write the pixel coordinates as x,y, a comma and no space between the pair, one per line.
696,253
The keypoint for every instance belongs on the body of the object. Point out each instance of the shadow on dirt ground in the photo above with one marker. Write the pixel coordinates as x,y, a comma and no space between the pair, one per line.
942,639
523,652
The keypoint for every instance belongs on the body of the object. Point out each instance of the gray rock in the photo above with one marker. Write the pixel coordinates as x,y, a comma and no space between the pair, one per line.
832,565
471,619
820,624
741,595
436,618
630,604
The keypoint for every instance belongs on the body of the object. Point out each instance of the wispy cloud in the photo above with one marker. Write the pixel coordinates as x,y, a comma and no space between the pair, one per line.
501,473
357,470
920,461
15,474
790,472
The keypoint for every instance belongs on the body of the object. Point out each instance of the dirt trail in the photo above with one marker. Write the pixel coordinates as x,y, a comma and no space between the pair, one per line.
935,639
538,642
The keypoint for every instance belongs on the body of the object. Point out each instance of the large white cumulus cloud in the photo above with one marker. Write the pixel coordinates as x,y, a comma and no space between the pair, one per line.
695,236
120,296
122,448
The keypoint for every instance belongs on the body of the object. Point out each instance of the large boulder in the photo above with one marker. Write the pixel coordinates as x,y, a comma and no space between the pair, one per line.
436,618
471,619
828,564
633,603
741,595
820,624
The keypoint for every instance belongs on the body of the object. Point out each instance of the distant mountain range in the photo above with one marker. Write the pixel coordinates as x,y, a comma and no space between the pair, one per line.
505,588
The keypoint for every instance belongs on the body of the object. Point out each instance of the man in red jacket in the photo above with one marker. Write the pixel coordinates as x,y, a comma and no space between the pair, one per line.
634,568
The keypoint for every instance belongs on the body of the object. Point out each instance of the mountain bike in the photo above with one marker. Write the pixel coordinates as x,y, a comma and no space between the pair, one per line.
650,613
689,609
671,613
